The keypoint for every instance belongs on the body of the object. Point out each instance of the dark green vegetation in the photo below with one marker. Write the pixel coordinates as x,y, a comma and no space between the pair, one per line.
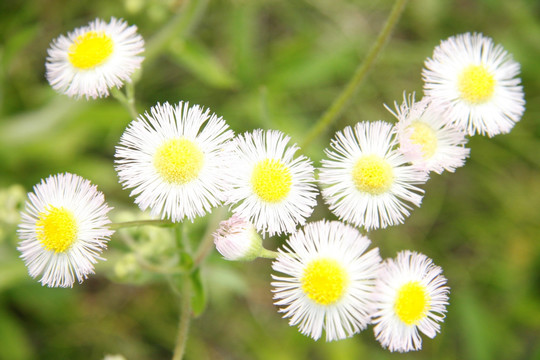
271,64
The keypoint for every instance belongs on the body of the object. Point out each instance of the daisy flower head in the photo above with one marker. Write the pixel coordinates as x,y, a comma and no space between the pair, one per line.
410,296
365,180
173,159
328,280
63,230
426,138
270,187
477,81
237,240
94,58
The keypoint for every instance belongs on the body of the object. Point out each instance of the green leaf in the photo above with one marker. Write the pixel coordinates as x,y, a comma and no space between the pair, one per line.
178,26
199,299
12,269
186,261
17,42
481,332
36,124
197,59
14,342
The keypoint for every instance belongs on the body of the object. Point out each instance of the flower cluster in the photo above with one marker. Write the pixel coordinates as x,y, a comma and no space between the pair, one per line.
333,283
324,279
181,161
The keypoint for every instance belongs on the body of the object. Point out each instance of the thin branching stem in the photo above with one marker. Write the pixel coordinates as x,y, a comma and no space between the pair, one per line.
207,243
185,318
337,107
127,101
125,224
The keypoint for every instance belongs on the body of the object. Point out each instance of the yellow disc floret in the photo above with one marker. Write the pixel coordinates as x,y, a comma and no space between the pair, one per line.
324,281
412,303
423,135
372,174
476,84
178,161
90,50
271,180
56,229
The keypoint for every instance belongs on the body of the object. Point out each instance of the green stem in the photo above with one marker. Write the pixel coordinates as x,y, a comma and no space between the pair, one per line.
178,27
130,93
120,225
185,319
127,101
268,254
156,269
182,241
146,264
337,107
207,243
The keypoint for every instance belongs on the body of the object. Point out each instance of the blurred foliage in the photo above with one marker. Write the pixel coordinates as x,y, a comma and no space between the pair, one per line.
271,64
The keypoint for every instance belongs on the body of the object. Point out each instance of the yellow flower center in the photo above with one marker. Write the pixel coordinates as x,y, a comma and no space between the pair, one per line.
424,136
412,303
56,229
90,50
476,84
324,281
372,174
178,161
271,180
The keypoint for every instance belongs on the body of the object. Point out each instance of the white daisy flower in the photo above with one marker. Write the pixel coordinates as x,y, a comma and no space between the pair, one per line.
64,229
237,240
426,138
94,58
478,82
270,188
329,280
174,159
410,296
366,181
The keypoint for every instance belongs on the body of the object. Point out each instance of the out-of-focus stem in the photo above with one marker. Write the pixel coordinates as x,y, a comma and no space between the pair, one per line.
185,319
207,242
332,113
127,101
120,225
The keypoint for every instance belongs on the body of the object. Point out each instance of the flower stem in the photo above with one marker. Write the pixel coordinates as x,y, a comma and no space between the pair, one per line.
207,243
268,254
130,92
182,240
337,107
185,319
120,225
127,100
158,269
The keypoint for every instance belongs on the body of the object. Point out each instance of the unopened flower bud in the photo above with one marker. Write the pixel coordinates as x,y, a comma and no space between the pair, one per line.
237,240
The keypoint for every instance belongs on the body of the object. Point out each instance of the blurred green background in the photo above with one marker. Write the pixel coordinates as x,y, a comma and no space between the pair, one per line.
271,64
